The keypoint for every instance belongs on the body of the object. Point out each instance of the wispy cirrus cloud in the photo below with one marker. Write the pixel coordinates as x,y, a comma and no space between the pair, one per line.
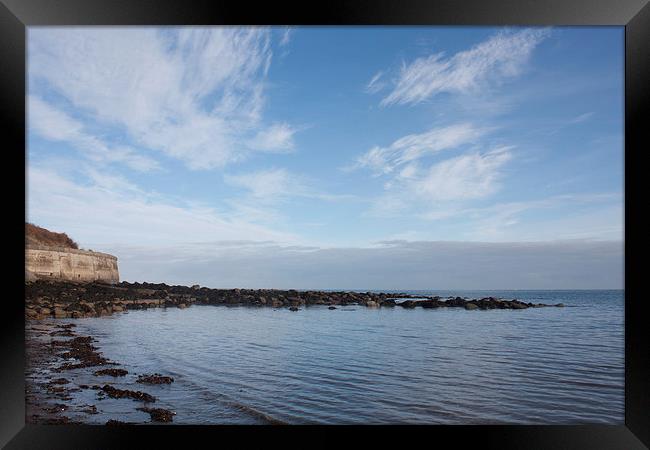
468,176
286,36
276,138
56,125
500,57
582,117
271,184
277,184
109,210
436,191
195,94
384,160
375,84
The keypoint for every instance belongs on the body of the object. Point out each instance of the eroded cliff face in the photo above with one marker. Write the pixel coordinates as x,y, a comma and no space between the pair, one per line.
55,256
42,262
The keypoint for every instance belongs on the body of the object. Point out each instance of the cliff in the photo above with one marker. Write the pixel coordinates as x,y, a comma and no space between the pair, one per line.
55,256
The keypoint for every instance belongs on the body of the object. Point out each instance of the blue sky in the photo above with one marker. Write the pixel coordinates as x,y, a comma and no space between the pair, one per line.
318,157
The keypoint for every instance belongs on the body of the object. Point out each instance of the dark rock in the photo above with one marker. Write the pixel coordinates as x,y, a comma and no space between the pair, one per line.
91,409
114,422
456,302
123,393
158,414
112,372
156,378
57,408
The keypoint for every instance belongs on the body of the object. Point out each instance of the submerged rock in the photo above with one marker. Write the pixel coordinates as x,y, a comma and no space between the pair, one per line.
156,378
112,372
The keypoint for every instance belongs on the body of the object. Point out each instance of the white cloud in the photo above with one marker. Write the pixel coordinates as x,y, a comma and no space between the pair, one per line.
502,56
582,117
271,184
440,190
375,84
468,176
286,36
55,125
110,210
193,93
383,160
277,184
276,138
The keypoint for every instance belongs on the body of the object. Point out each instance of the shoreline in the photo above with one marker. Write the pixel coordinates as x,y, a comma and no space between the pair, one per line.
59,363
63,299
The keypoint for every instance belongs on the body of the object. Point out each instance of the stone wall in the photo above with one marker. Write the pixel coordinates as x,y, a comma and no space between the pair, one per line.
43,262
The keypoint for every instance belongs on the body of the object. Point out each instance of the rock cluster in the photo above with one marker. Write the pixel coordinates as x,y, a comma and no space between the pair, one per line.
62,299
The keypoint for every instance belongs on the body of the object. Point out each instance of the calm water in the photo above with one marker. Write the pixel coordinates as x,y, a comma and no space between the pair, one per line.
360,365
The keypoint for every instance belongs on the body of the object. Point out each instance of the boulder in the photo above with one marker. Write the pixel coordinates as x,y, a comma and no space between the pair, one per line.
470,306
456,302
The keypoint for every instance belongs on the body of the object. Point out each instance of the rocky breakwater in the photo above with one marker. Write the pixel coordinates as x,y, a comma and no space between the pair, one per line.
61,299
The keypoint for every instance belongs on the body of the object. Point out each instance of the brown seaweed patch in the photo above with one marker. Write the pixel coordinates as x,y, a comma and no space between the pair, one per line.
124,393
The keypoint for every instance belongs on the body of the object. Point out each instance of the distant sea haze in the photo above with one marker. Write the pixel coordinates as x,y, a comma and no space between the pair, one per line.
358,365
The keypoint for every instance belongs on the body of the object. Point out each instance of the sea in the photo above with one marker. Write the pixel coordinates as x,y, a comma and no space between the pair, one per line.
359,365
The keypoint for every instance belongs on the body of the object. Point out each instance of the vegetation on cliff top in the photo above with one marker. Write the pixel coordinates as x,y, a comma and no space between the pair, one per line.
40,236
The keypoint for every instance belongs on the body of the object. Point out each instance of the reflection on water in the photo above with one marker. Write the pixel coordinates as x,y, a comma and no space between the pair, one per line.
385,365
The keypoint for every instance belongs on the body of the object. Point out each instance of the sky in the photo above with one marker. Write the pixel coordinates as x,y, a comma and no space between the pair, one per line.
333,157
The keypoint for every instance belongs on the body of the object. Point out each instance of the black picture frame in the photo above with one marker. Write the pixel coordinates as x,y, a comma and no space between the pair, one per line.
634,15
